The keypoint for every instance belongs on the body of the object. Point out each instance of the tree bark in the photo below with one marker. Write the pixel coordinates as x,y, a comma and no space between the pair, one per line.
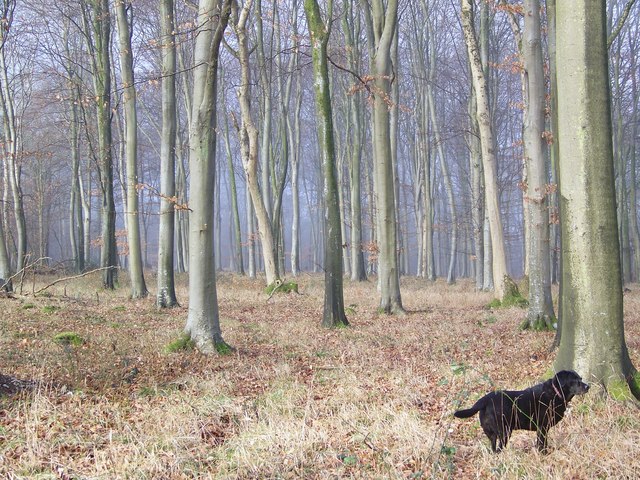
203,322
136,271
592,341
489,160
99,44
333,315
249,146
166,295
540,314
383,24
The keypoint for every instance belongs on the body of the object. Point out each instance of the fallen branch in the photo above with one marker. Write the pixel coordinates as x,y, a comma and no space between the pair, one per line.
73,277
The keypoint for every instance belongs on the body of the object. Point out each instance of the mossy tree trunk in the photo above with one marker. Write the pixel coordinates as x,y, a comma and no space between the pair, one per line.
592,341
319,32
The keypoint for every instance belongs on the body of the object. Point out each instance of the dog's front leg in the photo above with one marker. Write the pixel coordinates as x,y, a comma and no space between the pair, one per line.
542,440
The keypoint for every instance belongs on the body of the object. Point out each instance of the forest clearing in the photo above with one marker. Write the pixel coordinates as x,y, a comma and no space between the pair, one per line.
293,400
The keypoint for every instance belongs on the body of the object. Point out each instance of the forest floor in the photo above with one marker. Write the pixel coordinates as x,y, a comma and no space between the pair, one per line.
294,400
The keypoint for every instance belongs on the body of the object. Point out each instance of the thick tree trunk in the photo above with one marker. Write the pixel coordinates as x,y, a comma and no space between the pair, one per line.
203,322
592,341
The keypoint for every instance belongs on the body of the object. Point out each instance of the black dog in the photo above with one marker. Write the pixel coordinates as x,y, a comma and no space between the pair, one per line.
537,408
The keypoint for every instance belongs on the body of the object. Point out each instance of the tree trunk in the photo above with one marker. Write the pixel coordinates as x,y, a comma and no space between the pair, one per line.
166,295
136,271
540,314
295,188
384,23
333,315
11,144
249,147
101,70
203,322
358,270
439,148
489,160
592,341
237,231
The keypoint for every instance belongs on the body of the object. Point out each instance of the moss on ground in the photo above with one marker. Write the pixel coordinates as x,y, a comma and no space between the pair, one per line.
181,344
68,338
281,287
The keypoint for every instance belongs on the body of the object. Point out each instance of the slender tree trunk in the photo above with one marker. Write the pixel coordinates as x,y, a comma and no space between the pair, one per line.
166,295
384,22
540,314
251,243
136,271
633,189
101,66
358,271
249,148
237,231
439,148
11,146
489,160
295,188
319,32
477,197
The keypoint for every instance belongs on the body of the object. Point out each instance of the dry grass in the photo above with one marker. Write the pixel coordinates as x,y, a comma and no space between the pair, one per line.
294,400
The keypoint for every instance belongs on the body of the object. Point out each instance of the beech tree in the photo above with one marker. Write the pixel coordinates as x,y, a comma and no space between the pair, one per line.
203,322
136,273
382,22
166,296
319,32
248,134
97,26
592,340
540,314
487,141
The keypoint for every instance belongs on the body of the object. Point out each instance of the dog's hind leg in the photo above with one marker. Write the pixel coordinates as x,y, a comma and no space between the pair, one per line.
503,436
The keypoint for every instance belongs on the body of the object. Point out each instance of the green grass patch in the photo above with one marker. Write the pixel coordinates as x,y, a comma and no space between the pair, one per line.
28,306
50,309
281,287
68,338
223,348
181,344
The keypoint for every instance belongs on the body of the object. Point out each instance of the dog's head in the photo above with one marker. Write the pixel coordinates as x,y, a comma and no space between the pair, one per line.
568,384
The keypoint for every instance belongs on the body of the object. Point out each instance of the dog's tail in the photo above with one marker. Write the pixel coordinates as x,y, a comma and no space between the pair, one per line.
470,412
